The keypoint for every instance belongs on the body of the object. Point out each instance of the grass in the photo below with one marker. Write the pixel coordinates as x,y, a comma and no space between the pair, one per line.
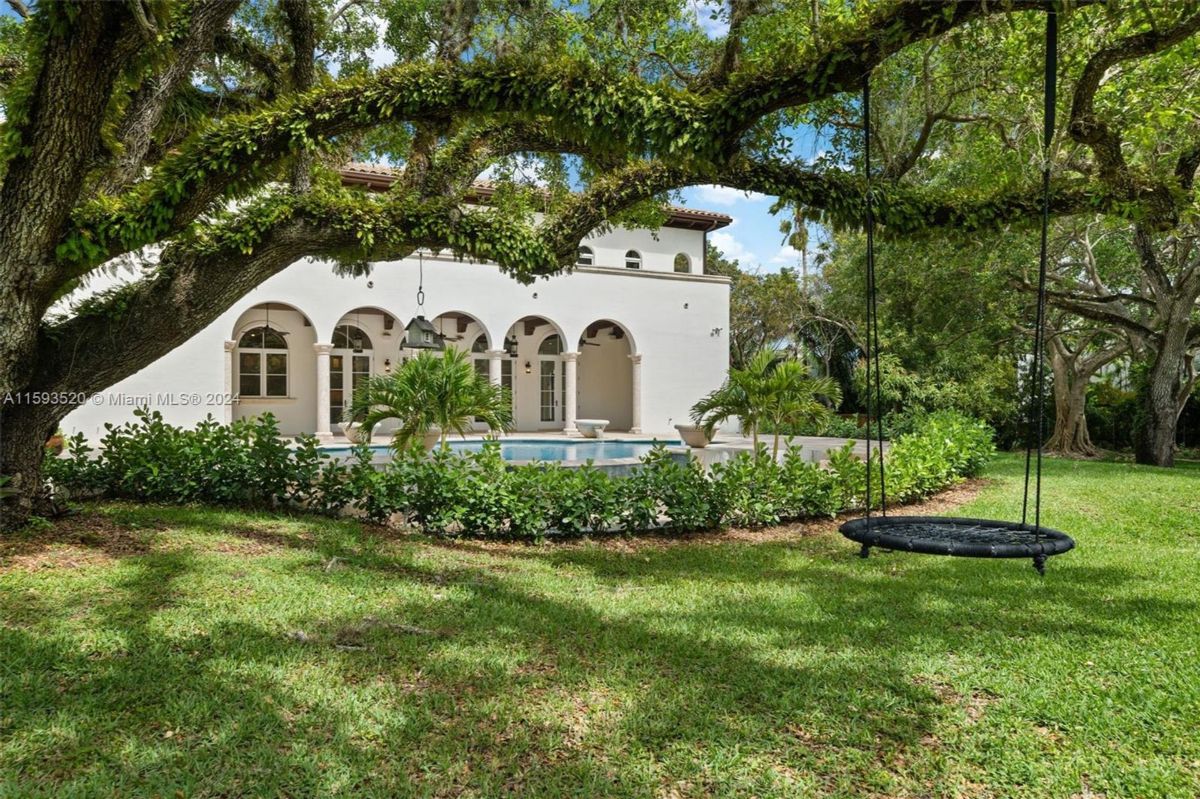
197,652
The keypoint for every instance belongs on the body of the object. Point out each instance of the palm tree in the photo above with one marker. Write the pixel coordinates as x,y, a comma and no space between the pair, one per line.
431,391
794,398
771,389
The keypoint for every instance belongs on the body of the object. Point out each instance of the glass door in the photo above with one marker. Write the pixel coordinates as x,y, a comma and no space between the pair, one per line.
549,391
348,371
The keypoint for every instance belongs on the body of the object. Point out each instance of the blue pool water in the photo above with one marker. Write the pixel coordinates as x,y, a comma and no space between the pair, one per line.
533,449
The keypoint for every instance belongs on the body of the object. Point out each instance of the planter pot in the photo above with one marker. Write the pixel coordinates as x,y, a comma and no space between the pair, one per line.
693,435
432,438
354,433
55,445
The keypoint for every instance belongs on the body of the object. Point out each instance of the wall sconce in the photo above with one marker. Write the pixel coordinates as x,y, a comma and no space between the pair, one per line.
685,306
387,366
535,295
716,331
528,368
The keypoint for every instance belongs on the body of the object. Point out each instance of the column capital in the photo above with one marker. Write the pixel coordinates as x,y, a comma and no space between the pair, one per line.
230,345
570,356
636,358
495,353
322,349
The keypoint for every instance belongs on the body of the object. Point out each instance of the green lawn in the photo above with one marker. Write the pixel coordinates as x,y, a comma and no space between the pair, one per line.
149,650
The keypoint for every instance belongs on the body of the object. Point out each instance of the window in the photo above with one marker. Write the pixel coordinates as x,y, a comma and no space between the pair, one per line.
349,337
480,344
586,257
682,263
551,345
633,260
262,363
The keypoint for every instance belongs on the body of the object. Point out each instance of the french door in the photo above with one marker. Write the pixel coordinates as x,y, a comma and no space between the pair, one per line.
550,392
348,371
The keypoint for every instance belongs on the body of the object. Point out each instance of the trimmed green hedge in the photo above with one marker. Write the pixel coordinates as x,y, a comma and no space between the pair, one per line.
478,494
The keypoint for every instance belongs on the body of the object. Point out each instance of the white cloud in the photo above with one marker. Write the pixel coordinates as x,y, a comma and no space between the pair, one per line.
733,249
723,195
713,28
787,256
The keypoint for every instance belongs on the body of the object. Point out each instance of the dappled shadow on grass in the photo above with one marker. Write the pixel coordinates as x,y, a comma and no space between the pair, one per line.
503,688
782,669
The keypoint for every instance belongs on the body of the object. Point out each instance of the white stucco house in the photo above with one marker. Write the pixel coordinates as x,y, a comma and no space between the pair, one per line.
636,334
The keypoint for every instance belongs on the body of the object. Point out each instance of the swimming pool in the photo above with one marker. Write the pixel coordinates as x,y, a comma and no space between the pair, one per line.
538,449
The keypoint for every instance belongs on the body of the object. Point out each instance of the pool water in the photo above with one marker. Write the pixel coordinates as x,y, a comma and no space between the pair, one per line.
533,449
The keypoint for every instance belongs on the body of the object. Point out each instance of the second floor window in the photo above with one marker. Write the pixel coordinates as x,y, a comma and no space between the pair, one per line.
586,257
633,260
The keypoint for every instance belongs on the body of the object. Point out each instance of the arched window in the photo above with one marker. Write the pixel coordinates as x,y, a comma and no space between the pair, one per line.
262,363
349,337
633,259
551,345
586,257
682,263
480,344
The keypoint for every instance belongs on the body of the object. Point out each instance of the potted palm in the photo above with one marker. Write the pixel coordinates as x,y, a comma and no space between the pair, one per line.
431,396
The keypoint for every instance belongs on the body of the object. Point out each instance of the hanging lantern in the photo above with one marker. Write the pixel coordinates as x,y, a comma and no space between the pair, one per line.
510,346
419,334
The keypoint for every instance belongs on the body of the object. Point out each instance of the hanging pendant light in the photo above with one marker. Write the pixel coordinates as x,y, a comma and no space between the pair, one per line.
419,334
356,343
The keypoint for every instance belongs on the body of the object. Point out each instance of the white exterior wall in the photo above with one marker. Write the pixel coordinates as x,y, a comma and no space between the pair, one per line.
677,323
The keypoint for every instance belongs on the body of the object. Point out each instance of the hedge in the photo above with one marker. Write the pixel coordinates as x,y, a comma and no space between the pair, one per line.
247,463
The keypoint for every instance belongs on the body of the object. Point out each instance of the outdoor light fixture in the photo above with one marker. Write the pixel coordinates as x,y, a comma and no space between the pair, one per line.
419,334
510,346
387,365
528,368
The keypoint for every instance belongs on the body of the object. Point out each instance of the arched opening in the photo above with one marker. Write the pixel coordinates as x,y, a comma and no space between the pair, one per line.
586,257
365,342
273,369
633,259
682,262
605,381
532,369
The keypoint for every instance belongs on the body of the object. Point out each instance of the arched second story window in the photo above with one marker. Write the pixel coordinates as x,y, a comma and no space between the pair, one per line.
682,262
480,344
586,257
350,337
633,259
262,363
551,345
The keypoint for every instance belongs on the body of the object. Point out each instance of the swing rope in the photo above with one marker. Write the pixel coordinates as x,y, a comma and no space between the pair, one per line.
871,342
1038,411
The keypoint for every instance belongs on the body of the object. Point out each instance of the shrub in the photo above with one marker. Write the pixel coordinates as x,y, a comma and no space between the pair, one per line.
478,494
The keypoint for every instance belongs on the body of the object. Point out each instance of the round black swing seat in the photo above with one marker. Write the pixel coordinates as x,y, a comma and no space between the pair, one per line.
966,538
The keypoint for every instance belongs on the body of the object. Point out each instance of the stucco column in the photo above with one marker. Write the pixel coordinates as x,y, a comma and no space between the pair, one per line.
636,425
323,426
227,412
494,373
570,375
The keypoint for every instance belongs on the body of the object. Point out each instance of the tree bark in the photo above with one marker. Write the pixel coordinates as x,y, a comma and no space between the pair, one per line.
1070,437
24,430
1161,400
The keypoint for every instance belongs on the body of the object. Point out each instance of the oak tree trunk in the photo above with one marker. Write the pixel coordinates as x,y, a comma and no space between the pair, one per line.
1070,437
24,430
1161,401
